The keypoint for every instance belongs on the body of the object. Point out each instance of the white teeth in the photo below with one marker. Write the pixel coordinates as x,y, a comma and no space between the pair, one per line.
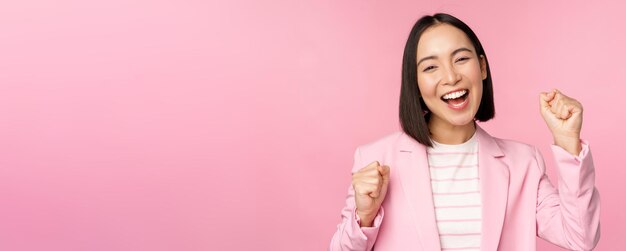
454,94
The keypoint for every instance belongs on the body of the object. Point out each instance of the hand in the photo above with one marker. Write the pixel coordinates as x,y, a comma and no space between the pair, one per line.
370,187
564,117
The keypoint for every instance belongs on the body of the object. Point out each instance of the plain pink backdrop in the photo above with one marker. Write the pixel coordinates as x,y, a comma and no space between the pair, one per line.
231,125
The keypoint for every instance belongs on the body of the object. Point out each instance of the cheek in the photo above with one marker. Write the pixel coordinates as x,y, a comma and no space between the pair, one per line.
477,79
479,93
473,71
427,86
428,90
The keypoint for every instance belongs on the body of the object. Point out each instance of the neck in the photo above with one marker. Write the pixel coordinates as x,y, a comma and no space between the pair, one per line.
449,134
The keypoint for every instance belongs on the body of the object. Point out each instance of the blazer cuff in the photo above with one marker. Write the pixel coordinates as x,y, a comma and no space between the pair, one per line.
369,233
576,173
561,155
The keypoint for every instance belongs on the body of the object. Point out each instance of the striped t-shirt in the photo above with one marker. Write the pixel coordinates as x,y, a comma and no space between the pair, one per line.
456,194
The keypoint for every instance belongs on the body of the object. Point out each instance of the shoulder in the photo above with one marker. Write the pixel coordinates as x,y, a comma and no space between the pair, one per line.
503,147
517,151
514,146
382,149
521,156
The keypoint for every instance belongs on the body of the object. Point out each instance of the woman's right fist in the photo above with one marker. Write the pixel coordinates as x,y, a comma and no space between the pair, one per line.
370,187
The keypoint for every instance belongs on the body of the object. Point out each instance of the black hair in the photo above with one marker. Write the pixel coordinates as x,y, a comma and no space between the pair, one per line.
414,114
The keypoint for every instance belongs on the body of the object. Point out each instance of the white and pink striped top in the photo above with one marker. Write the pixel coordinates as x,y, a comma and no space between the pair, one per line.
456,194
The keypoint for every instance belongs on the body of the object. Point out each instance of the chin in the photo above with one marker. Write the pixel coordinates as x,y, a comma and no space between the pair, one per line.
462,120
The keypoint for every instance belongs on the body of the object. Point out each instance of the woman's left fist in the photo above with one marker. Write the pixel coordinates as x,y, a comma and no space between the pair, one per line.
564,117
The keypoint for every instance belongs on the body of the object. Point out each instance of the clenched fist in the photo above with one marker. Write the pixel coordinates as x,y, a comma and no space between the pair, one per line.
370,187
564,117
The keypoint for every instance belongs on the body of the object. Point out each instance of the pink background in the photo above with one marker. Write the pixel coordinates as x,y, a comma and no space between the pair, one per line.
231,125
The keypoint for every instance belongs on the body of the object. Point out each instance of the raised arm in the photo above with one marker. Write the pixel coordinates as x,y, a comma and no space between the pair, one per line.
570,215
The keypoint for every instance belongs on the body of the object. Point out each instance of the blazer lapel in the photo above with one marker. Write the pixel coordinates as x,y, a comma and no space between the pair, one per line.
414,175
494,187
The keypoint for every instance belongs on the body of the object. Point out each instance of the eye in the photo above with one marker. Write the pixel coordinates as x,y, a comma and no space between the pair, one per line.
429,68
462,59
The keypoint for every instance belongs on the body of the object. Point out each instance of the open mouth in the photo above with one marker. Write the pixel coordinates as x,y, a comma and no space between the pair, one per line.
455,97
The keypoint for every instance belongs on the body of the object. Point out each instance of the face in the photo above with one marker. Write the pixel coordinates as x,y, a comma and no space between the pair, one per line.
449,75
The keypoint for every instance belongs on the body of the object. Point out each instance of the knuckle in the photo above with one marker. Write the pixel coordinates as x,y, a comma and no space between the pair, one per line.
375,181
372,164
359,188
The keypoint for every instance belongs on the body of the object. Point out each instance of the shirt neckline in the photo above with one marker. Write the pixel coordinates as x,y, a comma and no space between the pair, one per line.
470,142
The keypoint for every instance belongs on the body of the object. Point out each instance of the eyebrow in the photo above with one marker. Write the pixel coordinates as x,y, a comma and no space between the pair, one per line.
434,57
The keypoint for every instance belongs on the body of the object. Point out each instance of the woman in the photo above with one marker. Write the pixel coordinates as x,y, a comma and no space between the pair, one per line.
443,183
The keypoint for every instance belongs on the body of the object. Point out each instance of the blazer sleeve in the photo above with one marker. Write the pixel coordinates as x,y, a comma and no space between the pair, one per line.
570,215
349,235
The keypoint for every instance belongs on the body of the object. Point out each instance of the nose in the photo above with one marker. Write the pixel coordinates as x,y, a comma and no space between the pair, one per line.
451,76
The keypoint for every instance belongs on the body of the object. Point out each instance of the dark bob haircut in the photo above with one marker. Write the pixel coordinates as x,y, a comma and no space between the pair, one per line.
414,114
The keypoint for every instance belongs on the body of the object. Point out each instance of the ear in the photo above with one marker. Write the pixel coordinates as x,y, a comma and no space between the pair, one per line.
483,66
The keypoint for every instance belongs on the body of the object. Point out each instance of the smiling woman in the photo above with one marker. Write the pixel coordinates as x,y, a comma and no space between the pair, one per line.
452,102
443,183
448,51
